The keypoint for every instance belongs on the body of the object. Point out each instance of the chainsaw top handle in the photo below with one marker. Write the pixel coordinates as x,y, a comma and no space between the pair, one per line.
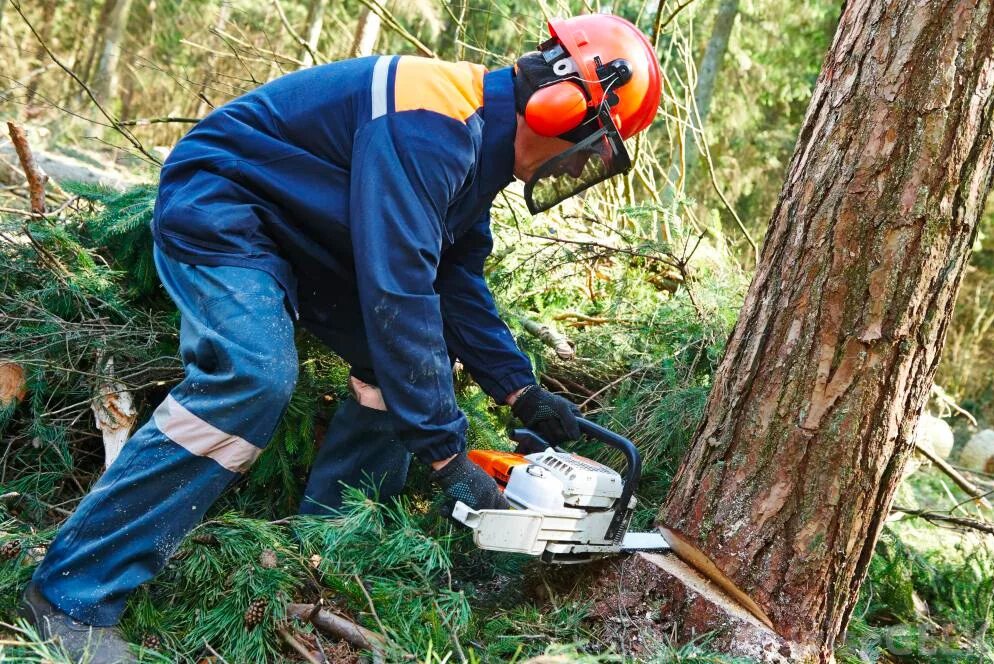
529,442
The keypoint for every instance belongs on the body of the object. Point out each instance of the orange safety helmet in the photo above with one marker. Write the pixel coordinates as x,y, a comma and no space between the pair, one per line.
601,85
582,51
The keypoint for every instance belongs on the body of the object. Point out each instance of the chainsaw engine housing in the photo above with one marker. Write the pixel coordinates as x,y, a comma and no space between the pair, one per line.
563,506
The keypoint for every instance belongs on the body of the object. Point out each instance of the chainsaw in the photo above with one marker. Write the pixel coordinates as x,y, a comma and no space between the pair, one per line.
565,508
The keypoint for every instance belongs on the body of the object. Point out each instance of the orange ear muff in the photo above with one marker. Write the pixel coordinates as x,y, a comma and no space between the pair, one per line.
556,109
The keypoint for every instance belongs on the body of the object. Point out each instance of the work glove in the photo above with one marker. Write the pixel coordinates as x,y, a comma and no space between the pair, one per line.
550,416
461,479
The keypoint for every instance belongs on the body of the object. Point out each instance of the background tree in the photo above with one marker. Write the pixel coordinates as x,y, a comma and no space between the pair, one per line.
811,418
107,76
707,74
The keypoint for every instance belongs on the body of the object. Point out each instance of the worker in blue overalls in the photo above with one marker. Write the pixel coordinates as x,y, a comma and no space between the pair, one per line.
352,198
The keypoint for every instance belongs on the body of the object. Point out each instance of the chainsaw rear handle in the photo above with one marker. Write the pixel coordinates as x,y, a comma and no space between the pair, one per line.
529,442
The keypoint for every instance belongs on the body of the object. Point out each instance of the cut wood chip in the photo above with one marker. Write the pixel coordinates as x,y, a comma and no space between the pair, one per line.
114,410
12,384
704,566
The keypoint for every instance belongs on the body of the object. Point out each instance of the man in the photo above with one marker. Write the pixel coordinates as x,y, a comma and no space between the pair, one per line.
352,198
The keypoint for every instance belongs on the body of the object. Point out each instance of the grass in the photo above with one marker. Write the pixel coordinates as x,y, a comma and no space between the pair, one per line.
928,595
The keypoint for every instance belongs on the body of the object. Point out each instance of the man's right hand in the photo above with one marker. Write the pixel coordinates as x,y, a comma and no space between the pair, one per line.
461,479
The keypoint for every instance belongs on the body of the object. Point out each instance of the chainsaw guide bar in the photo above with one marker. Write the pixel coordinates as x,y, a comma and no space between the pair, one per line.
565,508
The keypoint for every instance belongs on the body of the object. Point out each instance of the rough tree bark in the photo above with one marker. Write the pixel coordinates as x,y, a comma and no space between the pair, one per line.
814,406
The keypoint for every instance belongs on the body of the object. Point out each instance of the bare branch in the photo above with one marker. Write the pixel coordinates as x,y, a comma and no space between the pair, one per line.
293,33
36,177
89,93
339,627
144,122
963,483
966,522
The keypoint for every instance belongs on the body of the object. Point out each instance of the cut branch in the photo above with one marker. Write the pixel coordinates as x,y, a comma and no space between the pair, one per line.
12,385
114,411
36,177
551,337
340,628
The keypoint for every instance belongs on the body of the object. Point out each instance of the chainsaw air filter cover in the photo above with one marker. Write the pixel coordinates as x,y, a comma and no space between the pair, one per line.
556,480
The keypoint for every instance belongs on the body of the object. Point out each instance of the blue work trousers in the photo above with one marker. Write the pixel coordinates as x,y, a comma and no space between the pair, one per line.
236,344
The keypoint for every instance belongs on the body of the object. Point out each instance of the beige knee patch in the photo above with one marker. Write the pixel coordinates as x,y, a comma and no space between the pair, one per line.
202,438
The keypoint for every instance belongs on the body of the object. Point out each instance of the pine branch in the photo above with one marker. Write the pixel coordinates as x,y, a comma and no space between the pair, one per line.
339,627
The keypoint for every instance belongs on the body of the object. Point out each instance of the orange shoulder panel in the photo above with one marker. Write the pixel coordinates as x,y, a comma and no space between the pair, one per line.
454,89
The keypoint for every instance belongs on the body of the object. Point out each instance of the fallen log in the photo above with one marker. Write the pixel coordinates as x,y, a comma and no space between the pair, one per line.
341,628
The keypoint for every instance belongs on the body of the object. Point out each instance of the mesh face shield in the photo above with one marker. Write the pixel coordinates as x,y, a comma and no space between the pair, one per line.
600,156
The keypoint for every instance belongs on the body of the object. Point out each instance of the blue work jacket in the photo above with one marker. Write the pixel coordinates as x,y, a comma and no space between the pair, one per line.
366,185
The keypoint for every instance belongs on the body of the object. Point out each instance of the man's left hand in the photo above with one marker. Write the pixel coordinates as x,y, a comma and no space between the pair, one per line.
550,416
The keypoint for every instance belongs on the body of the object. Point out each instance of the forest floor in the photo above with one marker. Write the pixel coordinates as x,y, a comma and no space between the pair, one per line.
79,286
406,574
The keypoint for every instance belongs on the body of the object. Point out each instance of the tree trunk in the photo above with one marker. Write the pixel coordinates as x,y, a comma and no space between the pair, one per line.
707,74
315,21
366,32
814,406
107,78
202,104
45,33
96,42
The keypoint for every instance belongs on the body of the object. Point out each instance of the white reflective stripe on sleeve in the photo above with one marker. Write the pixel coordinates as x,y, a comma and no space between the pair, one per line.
202,438
378,90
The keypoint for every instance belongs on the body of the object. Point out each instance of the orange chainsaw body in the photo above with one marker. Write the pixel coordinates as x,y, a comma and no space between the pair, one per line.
497,464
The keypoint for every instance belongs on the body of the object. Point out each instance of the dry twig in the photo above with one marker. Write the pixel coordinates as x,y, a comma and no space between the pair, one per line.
960,481
298,646
89,93
966,522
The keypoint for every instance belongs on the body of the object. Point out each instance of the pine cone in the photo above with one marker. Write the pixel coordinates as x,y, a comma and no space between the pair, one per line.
256,612
152,642
9,549
268,559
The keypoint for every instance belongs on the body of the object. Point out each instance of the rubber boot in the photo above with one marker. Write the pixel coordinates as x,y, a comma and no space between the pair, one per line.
94,645
360,450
